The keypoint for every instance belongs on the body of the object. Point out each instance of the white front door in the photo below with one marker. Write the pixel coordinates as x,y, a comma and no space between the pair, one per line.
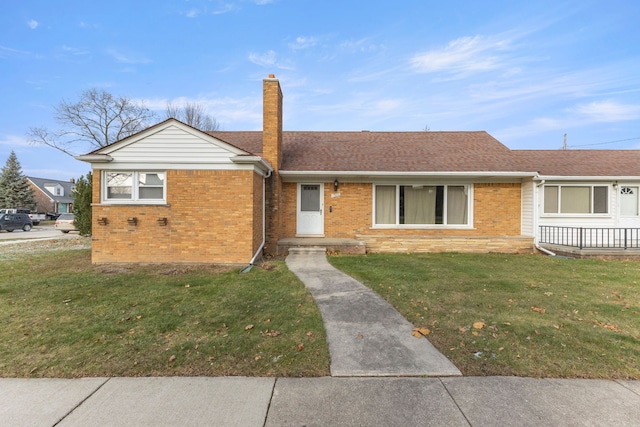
310,210
629,206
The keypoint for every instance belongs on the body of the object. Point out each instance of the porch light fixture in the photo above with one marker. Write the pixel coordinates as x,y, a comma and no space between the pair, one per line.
162,221
335,185
103,220
132,220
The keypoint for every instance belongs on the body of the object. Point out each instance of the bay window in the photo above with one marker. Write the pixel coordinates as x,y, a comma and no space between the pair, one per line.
130,187
421,205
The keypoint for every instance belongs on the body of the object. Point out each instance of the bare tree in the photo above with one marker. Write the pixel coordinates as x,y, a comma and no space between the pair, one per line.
193,114
95,121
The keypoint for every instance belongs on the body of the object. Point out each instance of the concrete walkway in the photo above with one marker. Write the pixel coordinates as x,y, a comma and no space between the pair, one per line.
328,401
366,335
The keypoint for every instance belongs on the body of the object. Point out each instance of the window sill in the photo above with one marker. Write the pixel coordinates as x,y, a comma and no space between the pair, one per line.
422,227
576,215
135,203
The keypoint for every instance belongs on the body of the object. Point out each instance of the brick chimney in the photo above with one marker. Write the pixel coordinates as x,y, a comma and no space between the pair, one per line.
272,153
272,122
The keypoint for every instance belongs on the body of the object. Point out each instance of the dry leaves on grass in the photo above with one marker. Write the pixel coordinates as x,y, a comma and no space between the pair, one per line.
607,325
420,332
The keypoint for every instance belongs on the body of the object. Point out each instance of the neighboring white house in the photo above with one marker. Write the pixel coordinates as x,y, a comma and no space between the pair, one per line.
584,198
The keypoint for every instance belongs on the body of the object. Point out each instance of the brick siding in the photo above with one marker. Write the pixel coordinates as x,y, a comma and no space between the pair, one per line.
496,228
210,219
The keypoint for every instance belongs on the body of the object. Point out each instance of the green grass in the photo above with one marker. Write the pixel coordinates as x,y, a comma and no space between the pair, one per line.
60,316
535,316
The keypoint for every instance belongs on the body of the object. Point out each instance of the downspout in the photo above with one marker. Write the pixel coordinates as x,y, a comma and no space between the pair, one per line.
535,220
546,251
264,227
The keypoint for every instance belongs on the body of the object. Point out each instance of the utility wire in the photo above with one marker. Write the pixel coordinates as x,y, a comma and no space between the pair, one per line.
604,143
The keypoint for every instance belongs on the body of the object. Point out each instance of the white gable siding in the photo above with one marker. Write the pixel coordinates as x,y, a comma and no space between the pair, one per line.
172,145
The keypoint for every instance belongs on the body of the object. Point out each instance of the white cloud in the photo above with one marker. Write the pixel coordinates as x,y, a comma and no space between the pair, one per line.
227,111
14,141
579,116
87,25
608,111
73,50
192,13
6,52
303,43
463,56
269,59
33,24
360,45
386,106
265,59
227,7
128,58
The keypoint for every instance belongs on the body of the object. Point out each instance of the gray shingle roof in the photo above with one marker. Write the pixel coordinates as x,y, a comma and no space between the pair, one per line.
67,185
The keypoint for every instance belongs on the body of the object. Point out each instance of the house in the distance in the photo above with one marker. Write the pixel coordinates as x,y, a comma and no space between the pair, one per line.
172,193
53,195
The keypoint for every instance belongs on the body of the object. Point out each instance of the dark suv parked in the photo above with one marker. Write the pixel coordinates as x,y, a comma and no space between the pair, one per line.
15,221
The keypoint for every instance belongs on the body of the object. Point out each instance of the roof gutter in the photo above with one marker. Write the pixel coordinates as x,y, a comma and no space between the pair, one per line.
254,160
409,174
94,158
288,175
586,178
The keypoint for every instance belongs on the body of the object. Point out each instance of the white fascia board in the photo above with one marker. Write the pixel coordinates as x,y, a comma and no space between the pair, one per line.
362,175
586,178
94,158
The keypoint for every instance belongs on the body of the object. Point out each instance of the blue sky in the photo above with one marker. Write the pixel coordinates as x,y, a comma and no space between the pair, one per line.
526,72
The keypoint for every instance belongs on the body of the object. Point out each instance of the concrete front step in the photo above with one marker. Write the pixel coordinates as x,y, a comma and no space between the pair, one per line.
343,246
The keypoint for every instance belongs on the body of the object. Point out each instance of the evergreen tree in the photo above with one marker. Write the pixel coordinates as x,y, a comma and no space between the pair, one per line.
15,191
82,204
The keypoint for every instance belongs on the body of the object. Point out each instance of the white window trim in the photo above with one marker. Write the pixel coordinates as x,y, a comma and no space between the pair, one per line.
135,199
398,226
544,214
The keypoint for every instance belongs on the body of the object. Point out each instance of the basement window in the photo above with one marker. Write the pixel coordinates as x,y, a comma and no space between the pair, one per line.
148,187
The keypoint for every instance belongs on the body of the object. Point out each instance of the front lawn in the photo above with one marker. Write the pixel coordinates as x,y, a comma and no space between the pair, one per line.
60,316
519,315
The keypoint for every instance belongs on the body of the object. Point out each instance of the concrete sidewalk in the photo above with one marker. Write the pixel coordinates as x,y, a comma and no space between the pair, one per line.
328,401
366,335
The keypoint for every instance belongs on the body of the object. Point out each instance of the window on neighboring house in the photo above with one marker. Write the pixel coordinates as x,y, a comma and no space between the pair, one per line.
422,204
576,199
144,187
